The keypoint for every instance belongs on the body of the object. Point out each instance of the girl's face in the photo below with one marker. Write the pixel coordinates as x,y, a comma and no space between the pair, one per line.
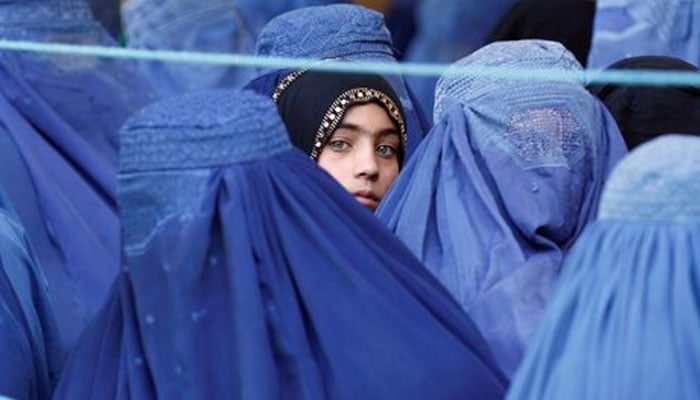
362,154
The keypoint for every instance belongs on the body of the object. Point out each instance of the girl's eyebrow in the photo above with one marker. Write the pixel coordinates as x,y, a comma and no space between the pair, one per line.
357,128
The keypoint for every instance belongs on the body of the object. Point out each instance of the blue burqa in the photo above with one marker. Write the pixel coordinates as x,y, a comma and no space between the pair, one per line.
59,118
629,28
342,32
30,355
209,26
625,317
249,273
448,30
502,186
212,26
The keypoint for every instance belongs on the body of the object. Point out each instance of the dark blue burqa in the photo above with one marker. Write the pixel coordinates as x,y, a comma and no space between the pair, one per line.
59,117
30,355
249,273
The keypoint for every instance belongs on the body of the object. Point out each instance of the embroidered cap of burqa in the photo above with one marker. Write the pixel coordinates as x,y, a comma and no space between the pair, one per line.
625,317
342,32
30,355
502,186
251,274
58,150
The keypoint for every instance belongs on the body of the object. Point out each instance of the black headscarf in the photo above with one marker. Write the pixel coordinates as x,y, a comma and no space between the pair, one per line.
312,103
644,112
569,22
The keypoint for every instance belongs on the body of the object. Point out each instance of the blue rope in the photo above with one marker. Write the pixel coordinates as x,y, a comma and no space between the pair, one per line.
620,77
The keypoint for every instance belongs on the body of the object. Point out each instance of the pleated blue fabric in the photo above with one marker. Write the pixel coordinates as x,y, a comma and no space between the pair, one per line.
249,273
59,150
630,28
624,321
93,95
502,186
30,348
215,26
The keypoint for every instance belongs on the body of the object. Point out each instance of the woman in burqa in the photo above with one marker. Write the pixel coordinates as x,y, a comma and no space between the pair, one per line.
352,125
631,28
340,32
645,112
59,150
30,348
624,321
250,274
215,26
502,186
208,26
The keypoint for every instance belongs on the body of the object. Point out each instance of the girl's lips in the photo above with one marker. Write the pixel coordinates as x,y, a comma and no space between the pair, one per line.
366,198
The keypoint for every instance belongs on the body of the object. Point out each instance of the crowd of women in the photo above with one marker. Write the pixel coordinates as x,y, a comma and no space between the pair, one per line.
180,231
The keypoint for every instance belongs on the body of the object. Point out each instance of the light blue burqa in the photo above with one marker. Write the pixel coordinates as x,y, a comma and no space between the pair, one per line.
502,186
629,28
215,26
625,318
447,31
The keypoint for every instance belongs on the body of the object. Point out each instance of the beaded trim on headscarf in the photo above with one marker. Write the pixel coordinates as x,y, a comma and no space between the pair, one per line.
284,84
335,112
289,79
352,97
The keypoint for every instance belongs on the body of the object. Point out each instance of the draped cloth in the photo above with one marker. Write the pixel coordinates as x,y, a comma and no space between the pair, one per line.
630,28
502,186
625,318
59,117
340,31
251,274
216,26
30,354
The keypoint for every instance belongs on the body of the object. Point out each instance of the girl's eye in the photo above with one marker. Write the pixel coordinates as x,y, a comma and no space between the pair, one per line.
338,145
386,150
